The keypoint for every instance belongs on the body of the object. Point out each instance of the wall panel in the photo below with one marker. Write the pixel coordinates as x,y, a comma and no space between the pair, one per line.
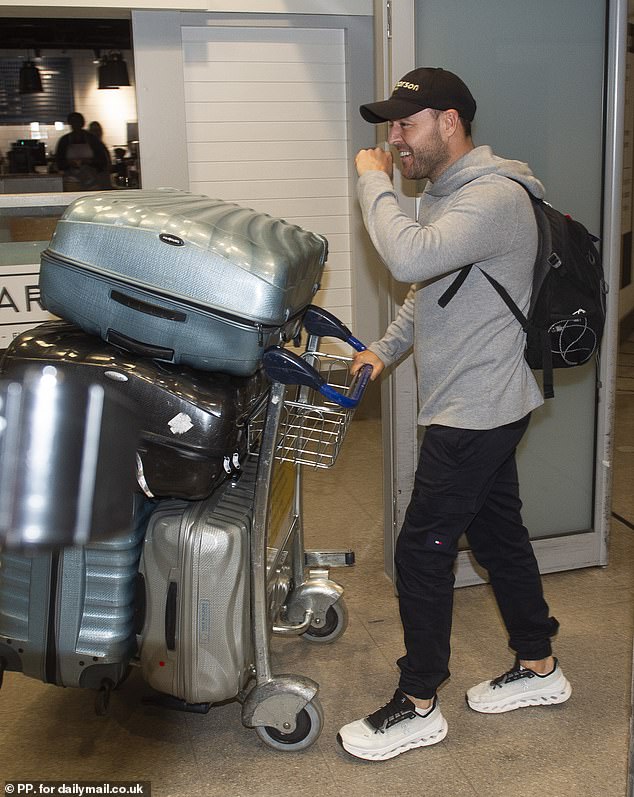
266,113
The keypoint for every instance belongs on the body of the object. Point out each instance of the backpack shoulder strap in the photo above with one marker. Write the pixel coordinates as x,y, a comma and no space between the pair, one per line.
462,275
452,290
505,296
544,238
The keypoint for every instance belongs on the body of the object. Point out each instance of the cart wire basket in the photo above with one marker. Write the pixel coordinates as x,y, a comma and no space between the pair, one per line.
312,428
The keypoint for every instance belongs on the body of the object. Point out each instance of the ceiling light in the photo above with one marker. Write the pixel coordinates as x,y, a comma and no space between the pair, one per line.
30,79
112,72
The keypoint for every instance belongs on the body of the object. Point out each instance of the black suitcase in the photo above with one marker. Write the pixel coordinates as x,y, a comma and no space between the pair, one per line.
67,456
194,424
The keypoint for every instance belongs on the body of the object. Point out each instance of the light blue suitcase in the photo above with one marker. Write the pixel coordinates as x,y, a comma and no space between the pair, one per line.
181,277
70,616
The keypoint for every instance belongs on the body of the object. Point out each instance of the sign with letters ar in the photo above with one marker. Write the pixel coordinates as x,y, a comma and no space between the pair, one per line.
20,306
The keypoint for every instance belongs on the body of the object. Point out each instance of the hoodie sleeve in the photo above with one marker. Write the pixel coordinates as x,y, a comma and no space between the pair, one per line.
399,336
480,223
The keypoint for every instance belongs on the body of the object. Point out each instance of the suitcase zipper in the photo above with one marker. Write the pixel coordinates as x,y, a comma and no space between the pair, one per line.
50,662
186,665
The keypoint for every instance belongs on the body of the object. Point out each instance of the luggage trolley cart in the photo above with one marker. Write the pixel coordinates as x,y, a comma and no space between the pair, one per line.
304,426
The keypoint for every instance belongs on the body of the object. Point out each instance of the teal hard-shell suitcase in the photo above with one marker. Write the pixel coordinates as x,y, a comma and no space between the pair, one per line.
70,616
181,277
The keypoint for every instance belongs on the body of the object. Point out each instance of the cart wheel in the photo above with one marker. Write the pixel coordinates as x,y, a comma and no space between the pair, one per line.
124,677
310,721
102,698
334,627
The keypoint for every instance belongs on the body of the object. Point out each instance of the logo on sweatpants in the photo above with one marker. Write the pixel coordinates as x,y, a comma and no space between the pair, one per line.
437,541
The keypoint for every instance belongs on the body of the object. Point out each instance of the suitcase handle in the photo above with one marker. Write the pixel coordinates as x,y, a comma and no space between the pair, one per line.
284,366
137,347
323,324
170,616
147,308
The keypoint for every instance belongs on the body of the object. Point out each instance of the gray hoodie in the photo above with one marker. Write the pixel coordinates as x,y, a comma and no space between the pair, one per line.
470,355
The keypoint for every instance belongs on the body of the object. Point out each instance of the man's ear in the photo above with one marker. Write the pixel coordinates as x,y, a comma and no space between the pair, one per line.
450,122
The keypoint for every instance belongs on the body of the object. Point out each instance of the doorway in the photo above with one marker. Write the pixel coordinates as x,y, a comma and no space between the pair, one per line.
547,85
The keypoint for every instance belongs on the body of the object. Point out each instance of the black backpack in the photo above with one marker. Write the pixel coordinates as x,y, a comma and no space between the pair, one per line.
566,315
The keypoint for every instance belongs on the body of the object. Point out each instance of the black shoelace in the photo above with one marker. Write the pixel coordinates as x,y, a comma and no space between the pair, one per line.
514,674
398,709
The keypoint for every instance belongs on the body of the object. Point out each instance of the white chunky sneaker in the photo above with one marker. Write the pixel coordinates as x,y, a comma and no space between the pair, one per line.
519,688
393,729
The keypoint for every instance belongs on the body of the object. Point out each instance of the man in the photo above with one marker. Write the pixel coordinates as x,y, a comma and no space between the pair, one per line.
475,392
82,158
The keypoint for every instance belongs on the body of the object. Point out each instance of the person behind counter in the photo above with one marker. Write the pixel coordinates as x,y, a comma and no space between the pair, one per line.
82,158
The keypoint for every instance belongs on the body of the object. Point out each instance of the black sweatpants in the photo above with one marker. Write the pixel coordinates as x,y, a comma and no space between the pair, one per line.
466,482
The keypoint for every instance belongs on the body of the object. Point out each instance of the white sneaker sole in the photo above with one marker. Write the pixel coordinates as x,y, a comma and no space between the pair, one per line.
513,702
383,754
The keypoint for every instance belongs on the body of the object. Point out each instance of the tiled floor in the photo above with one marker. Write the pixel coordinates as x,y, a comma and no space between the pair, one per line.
578,749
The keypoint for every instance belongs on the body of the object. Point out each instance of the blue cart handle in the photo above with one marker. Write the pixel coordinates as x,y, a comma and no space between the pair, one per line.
284,366
323,324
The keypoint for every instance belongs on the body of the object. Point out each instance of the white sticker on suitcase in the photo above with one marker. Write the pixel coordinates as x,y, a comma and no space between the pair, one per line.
180,423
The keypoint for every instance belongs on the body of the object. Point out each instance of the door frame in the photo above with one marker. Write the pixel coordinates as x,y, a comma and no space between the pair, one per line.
158,58
396,44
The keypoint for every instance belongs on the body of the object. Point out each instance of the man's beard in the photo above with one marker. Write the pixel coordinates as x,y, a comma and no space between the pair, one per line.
428,162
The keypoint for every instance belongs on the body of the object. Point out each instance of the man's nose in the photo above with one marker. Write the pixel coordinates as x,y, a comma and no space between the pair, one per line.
393,136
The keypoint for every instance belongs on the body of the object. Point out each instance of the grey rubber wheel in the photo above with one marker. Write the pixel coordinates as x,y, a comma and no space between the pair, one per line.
310,722
102,698
334,627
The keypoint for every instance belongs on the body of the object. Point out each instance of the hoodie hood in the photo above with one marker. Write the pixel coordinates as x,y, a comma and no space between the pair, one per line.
481,161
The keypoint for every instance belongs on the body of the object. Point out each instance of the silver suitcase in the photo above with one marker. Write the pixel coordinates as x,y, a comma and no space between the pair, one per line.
181,277
196,641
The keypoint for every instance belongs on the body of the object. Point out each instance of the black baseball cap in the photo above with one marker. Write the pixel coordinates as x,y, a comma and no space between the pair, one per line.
426,87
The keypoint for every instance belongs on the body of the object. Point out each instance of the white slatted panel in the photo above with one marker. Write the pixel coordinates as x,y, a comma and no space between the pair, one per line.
266,128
